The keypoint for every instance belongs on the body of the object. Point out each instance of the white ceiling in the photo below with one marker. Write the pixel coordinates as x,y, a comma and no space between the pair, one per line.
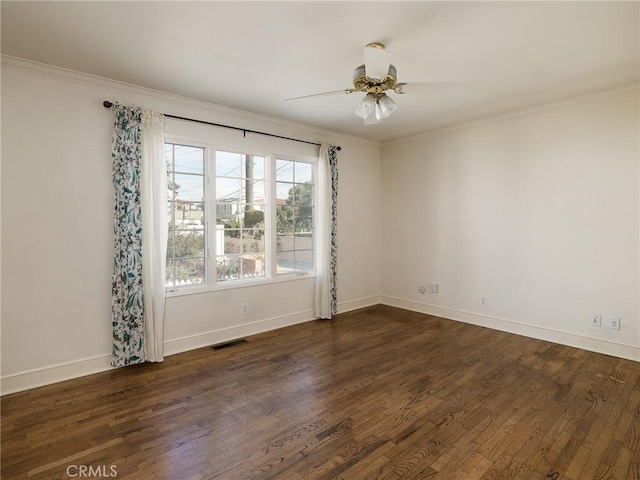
253,55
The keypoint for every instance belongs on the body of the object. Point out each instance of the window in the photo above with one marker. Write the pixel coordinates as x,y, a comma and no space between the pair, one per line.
294,216
237,216
186,245
240,216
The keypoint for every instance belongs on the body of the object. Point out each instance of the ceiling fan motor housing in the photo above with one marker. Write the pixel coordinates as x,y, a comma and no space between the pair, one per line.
362,83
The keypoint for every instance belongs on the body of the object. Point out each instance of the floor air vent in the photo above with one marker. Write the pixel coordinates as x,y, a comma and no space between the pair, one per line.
232,343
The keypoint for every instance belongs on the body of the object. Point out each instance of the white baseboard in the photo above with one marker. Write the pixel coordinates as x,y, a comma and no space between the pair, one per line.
39,377
598,345
363,302
222,335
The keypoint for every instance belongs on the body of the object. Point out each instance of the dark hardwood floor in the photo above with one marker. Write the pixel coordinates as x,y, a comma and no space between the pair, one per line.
378,393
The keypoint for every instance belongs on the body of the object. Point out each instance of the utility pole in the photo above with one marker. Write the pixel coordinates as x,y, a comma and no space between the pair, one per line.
249,181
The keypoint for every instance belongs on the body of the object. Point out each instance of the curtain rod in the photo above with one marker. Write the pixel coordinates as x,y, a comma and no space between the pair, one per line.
108,104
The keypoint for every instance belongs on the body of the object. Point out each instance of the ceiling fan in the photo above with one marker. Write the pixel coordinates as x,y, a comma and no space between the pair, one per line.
375,77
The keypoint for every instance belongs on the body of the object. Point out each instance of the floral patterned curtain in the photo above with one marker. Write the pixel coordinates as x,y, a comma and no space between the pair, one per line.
126,290
326,301
333,273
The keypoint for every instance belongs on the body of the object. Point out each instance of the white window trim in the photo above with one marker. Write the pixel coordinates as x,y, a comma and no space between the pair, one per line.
271,277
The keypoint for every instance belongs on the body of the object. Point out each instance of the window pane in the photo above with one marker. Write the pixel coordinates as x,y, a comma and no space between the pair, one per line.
253,240
286,263
229,190
235,215
171,185
285,217
172,214
294,215
304,218
186,271
228,267
229,164
303,240
303,172
252,217
303,194
258,167
284,193
232,241
252,167
229,213
253,265
304,260
188,159
254,192
284,171
284,242
170,274
187,244
189,187
171,245
188,215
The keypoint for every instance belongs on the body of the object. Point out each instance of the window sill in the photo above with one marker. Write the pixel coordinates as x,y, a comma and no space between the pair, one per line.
199,289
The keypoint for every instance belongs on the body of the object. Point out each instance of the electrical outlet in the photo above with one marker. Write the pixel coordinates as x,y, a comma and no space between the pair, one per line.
433,287
596,320
614,324
421,290
483,301
245,308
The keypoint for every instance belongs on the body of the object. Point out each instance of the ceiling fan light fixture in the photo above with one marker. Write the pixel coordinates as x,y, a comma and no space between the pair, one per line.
387,105
372,119
366,106
380,115
375,107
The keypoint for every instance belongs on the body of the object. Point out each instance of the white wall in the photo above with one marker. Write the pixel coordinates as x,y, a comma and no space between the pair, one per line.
538,211
57,226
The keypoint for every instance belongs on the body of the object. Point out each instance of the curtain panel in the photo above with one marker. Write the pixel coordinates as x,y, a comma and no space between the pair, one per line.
326,298
153,187
127,302
140,236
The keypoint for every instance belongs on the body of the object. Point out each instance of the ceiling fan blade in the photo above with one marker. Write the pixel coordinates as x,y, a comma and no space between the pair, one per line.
423,87
324,94
376,61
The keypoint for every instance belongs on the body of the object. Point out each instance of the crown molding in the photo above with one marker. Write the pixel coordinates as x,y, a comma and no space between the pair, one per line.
314,134
519,112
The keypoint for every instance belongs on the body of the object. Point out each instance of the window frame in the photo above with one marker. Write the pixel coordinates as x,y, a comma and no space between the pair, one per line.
270,156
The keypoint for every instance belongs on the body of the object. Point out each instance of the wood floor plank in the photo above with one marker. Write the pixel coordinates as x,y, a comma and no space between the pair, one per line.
377,393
